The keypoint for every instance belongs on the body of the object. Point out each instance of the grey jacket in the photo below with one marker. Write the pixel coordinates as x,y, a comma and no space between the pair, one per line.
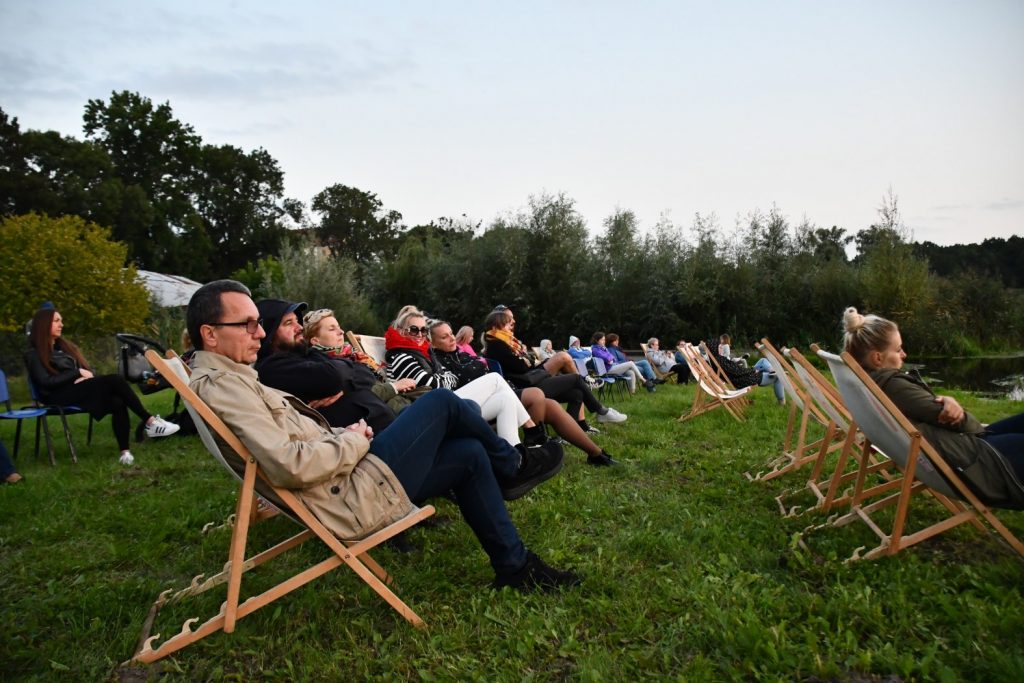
349,489
982,467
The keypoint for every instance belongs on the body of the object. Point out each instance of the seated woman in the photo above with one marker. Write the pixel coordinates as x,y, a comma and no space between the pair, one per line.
577,351
725,350
409,356
546,349
741,376
541,409
969,447
643,365
62,377
464,340
666,361
626,369
500,344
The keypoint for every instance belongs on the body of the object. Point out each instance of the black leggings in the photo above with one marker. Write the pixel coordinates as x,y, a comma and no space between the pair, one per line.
573,391
103,395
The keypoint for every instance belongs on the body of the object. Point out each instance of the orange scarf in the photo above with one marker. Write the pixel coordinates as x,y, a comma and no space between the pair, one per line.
505,336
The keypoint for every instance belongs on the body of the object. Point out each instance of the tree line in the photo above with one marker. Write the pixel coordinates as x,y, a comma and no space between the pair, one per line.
183,206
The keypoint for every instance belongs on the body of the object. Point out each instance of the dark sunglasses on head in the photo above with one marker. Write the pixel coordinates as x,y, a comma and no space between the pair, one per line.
250,325
501,307
414,331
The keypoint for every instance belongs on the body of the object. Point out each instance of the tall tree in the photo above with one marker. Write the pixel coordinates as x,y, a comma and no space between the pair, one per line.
156,152
354,224
240,198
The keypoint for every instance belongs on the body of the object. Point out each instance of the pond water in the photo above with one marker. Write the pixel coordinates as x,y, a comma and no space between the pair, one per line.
998,376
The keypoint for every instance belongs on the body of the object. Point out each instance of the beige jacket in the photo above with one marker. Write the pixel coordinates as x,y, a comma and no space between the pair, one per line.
348,489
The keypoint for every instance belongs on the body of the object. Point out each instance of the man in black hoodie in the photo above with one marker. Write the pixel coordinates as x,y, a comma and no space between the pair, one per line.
338,388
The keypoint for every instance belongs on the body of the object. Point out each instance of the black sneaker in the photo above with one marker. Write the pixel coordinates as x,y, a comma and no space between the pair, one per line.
660,381
602,459
535,575
539,464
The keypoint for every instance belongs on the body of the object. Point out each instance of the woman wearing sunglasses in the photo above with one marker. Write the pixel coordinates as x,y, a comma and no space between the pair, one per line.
409,356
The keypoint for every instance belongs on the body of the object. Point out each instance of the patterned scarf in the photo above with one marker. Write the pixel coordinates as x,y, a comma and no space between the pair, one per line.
348,353
505,336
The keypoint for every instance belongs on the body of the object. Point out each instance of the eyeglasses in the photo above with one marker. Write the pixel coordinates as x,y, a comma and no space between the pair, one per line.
414,331
313,317
251,326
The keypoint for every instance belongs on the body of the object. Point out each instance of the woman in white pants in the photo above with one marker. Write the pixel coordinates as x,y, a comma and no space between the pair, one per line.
409,356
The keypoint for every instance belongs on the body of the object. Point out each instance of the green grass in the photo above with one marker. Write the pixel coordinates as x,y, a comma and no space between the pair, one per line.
691,574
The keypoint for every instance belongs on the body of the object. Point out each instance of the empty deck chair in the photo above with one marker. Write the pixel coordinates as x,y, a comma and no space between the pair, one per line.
711,391
796,450
237,458
831,486
886,428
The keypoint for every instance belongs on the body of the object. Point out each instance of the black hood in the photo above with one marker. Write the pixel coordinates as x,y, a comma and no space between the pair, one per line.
272,310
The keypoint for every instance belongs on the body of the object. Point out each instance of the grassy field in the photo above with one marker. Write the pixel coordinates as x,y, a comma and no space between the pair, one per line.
691,574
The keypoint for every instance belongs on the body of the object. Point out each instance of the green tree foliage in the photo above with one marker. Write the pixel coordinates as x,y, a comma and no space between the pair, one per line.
152,150
76,265
306,272
240,198
354,224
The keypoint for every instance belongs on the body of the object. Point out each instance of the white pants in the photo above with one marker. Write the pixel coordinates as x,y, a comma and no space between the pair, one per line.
629,371
497,402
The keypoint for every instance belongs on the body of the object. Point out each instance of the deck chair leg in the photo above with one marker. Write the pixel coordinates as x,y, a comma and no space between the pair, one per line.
238,537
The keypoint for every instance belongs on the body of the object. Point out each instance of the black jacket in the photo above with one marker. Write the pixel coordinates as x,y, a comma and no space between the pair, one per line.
310,374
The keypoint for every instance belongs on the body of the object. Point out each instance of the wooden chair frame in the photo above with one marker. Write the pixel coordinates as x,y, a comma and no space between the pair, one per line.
711,391
840,433
796,451
355,555
371,346
923,470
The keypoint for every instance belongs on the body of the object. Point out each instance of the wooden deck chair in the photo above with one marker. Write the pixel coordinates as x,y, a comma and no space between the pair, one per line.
371,346
667,376
243,465
831,487
796,450
885,427
710,391
716,368
537,353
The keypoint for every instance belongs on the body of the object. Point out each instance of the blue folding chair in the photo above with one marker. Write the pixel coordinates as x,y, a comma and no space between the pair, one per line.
495,366
615,381
62,412
23,414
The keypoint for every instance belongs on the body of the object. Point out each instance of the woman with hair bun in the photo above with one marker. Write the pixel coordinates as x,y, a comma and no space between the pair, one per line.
990,459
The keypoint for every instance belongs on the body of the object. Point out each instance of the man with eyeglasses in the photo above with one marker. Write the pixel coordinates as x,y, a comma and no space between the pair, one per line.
435,446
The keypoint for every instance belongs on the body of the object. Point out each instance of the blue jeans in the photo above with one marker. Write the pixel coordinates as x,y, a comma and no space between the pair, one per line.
1007,437
644,366
6,466
440,443
766,367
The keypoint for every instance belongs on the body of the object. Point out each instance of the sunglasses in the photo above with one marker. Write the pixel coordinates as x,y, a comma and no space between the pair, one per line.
414,331
250,325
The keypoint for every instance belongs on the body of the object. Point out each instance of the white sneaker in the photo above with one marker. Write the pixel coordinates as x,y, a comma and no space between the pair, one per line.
611,416
161,427
127,459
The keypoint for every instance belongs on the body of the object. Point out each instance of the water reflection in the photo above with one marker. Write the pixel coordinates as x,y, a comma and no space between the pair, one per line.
1002,376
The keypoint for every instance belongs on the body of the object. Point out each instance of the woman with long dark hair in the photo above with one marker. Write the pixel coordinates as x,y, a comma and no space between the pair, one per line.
62,377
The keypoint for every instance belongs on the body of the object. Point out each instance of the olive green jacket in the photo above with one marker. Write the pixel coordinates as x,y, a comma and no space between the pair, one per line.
981,466
349,489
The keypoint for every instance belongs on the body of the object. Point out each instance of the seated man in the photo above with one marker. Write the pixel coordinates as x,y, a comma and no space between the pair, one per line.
439,444
344,391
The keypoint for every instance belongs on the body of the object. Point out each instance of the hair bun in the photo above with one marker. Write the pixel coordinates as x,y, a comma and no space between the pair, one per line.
852,320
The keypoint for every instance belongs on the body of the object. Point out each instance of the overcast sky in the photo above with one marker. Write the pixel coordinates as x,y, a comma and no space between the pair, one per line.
450,108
